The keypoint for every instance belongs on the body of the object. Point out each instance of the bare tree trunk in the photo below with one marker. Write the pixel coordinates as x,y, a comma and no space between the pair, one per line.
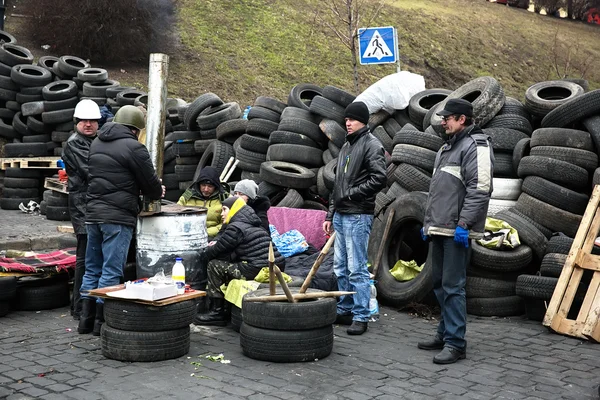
352,38
570,9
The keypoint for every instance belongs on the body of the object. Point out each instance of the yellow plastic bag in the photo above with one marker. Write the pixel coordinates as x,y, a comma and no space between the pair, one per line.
237,288
263,276
499,234
406,270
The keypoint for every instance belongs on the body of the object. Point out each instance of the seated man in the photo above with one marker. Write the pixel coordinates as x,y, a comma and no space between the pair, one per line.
247,190
206,192
245,244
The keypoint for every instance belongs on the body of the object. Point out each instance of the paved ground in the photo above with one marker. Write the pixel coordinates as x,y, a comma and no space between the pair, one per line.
20,231
42,356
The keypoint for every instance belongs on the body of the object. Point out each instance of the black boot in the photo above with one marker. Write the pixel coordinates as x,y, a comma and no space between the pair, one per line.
216,315
88,313
99,319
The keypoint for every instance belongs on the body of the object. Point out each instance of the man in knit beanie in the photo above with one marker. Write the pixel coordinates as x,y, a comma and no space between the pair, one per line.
360,175
247,190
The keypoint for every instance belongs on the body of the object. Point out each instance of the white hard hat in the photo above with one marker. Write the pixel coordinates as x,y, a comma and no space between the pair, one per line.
87,109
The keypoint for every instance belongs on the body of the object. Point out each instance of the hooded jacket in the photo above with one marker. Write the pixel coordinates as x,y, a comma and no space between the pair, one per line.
194,198
243,240
75,157
119,169
360,175
461,185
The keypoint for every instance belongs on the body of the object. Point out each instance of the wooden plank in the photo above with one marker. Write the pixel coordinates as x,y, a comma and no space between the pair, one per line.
297,296
589,298
65,229
591,328
570,327
103,293
588,261
29,162
589,226
56,185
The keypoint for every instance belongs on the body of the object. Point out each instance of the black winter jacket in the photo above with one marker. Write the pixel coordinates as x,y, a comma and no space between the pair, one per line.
360,175
244,240
75,157
261,205
120,168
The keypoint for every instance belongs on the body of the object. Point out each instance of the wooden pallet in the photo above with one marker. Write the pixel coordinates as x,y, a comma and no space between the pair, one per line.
580,258
33,162
56,185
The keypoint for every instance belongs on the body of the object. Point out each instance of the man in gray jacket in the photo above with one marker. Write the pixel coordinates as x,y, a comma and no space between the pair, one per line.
360,175
457,206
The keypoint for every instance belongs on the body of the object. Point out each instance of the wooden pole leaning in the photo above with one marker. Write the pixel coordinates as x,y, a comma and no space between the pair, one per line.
297,296
271,270
284,286
317,264
386,232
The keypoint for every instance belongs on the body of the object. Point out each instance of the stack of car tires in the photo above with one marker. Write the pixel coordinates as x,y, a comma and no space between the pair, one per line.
8,291
287,332
143,333
55,206
20,186
34,294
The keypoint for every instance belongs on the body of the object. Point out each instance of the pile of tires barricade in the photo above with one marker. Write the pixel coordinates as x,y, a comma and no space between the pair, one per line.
546,164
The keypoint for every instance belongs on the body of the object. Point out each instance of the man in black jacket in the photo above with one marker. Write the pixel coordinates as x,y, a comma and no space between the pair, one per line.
75,157
360,175
119,169
247,190
240,252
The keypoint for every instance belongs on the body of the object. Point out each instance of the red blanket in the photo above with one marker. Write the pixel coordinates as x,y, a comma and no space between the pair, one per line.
60,260
307,222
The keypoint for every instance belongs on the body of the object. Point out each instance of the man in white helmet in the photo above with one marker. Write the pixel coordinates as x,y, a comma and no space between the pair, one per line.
75,157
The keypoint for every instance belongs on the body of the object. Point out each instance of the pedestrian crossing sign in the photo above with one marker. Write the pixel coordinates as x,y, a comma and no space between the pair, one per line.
378,45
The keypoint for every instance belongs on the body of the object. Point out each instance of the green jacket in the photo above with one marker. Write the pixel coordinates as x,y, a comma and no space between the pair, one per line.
193,198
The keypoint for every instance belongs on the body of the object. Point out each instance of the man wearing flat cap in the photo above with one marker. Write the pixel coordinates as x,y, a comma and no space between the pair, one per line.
360,175
457,206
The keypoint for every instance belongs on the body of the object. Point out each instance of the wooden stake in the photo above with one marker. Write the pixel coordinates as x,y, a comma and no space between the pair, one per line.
284,285
271,270
231,171
317,264
298,296
386,232
224,172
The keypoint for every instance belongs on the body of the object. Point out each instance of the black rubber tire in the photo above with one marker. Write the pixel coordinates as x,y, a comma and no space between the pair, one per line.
56,105
484,287
59,116
504,139
338,96
309,157
543,97
216,155
236,318
314,205
229,131
25,150
536,287
185,173
421,103
92,75
194,160
43,207
261,127
563,138
22,173
582,158
249,160
412,178
545,231
414,155
130,316
495,306
551,217
327,109
124,98
169,180
183,135
592,125
201,145
304,127
270,103
8,287
552,264
258,112
197,106
418,138
379,118
484,93
521,150
559,244
510,121
555,195
286,174
286,346
302,94
284,137
112,92
576,109
528,234
57,213
22,183
403,242
30,75
212,117
392,127
288,316
47,297
70,65
501,260
268,189
334,132
20,193
12,54
383,137
560,172
134,346
8,203
514,106
291,199
300,113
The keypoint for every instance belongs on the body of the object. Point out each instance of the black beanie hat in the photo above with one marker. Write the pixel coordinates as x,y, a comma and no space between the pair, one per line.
228,202
358,111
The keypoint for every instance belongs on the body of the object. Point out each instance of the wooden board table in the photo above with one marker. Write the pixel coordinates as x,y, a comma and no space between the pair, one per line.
103,293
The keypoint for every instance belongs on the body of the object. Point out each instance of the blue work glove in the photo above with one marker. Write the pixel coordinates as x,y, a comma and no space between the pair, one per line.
426,238
461,236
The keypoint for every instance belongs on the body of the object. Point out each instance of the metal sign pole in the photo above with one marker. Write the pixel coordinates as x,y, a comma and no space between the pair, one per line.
397,49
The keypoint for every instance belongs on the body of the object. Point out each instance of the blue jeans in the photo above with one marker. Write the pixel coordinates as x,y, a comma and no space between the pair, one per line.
105,256
350,263
449,262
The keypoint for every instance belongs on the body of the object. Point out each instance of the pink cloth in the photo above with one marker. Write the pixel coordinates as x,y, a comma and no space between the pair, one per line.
307,222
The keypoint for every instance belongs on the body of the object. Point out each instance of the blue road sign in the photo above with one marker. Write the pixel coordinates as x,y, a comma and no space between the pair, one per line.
378,45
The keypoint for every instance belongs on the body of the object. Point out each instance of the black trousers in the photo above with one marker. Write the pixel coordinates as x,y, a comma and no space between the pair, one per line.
79,272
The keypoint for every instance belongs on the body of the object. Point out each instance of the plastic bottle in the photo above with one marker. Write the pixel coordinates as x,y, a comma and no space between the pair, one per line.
178,275
373,304
246,111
